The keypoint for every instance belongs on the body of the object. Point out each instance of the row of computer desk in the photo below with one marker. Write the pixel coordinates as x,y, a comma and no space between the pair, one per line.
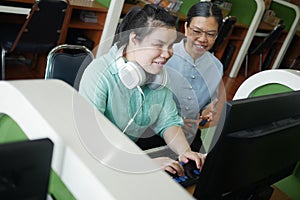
93,31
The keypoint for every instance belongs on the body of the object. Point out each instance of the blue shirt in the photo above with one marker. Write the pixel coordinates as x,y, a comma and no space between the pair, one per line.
101,86
194,83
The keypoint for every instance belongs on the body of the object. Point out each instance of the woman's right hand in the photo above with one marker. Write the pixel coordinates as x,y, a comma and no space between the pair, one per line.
170,165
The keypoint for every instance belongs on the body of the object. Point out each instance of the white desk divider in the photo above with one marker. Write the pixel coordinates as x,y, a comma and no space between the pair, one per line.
248,38
290,34
91,156
286,77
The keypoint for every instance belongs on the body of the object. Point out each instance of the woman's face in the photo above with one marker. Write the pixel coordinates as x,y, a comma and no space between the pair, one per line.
201,35
154,50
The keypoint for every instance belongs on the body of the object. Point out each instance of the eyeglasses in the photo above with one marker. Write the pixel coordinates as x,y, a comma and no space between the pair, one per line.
210,35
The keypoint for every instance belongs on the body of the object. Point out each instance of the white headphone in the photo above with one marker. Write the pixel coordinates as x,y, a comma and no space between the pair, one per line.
133,75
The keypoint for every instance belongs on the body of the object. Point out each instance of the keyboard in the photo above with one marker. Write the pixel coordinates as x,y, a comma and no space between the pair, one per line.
190,177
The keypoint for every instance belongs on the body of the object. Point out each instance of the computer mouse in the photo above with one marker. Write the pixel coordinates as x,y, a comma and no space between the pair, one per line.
191,170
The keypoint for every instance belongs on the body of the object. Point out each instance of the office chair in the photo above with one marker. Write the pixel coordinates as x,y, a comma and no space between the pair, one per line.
39,33
224,32
265,46
272,82
67,62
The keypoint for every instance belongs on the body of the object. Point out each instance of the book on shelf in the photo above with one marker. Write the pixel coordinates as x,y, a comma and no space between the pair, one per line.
170,5
88,16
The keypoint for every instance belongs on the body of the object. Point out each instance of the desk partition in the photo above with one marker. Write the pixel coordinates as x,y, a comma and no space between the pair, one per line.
91,156
290,14
250,11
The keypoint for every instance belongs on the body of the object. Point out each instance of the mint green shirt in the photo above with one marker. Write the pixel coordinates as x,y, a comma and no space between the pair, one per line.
101,85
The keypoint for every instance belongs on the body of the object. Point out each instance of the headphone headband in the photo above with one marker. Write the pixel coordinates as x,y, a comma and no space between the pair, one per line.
133,75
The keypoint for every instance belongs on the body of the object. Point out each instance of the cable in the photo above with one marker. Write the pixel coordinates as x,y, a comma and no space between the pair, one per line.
135,114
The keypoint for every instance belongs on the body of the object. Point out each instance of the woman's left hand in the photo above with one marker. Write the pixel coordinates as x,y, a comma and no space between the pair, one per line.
209,112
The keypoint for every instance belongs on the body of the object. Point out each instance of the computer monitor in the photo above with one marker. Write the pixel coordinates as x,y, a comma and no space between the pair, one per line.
25,169
256,146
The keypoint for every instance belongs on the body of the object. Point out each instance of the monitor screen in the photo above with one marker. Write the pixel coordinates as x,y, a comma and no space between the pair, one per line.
256,145
25,169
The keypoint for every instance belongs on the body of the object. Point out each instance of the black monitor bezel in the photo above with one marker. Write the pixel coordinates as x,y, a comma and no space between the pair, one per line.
250,114
25,169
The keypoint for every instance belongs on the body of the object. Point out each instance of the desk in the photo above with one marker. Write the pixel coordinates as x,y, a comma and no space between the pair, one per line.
14,10
276,195
50,102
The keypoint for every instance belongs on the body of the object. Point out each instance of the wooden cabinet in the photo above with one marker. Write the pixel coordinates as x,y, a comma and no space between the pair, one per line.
231,50
74,27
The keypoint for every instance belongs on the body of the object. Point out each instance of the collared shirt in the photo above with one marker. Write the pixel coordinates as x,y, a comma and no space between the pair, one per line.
101,86
193,83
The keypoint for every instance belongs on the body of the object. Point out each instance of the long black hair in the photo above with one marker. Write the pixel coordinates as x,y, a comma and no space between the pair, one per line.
142,21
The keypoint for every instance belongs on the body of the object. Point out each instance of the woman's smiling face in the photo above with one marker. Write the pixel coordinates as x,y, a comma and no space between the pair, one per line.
154,50
201,35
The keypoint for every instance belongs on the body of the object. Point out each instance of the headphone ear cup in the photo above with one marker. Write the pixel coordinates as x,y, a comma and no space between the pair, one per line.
159,81
132,75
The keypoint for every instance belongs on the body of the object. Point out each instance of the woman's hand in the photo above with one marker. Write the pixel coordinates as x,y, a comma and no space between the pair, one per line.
209,112
195,156
169,165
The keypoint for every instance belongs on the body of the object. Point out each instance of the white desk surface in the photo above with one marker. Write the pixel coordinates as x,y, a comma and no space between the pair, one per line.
93,158
14,10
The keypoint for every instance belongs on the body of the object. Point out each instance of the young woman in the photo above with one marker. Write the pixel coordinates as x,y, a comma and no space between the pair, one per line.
130,87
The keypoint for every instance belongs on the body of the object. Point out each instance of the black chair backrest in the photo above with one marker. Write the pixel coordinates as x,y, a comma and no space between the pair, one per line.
68,62
269,40
225,31
43,25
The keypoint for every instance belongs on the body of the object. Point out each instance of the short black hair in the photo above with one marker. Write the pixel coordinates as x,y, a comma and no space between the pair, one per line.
205,9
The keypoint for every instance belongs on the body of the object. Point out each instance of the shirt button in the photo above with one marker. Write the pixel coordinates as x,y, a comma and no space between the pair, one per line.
187,108
189,98
191,87
193,77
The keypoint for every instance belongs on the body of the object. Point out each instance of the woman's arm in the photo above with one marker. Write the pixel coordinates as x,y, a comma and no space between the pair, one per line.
177,142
